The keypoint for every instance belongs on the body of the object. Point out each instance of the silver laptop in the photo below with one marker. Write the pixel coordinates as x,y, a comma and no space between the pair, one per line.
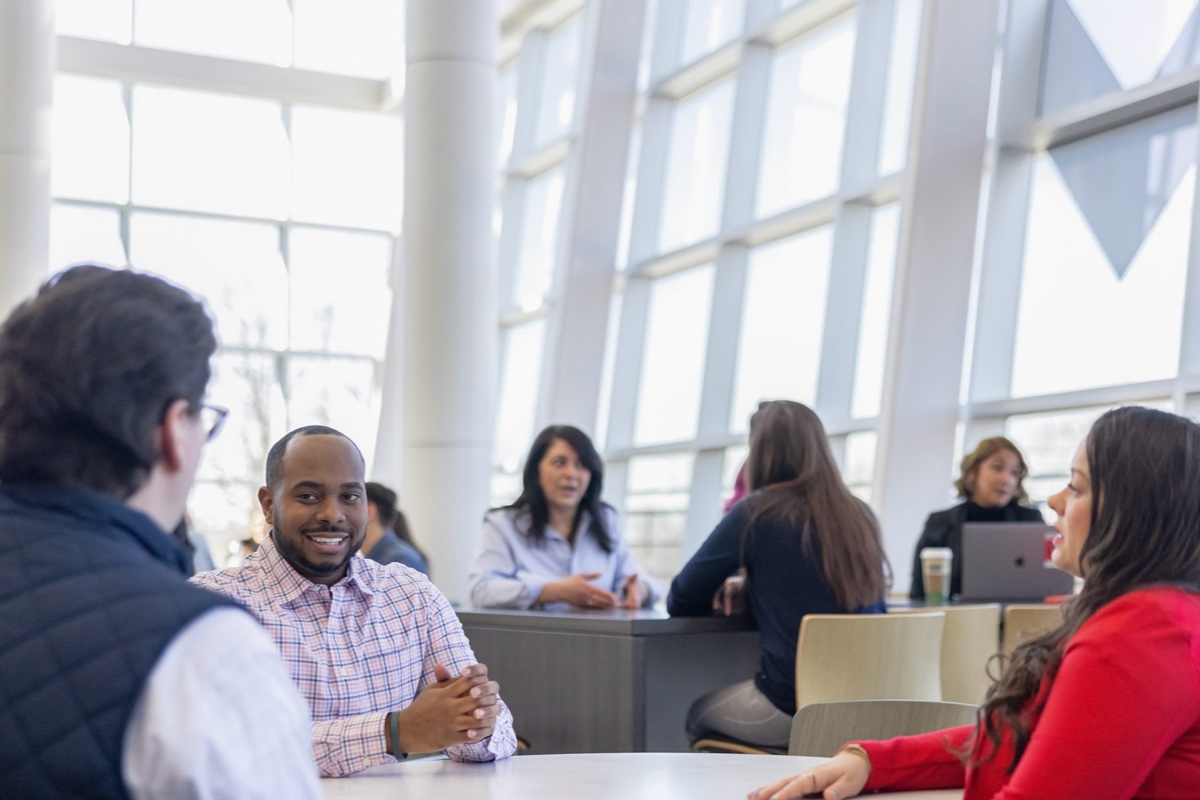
1010,562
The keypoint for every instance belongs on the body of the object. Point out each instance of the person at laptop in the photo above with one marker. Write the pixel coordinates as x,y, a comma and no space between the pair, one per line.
991,485
1107,705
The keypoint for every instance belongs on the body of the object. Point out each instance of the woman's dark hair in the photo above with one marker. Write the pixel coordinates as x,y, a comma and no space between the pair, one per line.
792,469
88,368
531,504
1145,531
972,461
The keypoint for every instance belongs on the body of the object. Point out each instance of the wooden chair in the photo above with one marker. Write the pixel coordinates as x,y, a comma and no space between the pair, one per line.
969,640
1022,622
869,657
859,657
819,729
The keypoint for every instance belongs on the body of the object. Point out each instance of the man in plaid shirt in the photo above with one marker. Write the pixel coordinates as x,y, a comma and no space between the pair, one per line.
376,649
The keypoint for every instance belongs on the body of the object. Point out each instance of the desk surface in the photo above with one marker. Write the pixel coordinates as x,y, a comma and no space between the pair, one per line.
643,622
596,776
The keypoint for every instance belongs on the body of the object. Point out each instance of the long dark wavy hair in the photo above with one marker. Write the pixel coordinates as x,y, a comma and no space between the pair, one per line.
1145,531
797,481
531,505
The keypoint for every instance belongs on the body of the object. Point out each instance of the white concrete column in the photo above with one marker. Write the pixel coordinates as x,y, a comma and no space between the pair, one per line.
27,48
449,303
931,306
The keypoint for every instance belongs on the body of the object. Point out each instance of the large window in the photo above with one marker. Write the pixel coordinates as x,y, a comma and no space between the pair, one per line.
256,205
1106,258
780,349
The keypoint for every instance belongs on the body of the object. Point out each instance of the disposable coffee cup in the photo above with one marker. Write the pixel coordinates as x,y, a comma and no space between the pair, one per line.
935,570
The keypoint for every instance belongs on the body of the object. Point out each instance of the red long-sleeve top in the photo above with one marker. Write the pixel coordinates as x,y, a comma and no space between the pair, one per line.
1121,720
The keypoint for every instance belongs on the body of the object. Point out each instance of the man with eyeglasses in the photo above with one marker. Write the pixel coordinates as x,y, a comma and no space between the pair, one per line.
117,677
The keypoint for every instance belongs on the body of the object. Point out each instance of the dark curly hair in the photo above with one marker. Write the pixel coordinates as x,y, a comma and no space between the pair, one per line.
88,368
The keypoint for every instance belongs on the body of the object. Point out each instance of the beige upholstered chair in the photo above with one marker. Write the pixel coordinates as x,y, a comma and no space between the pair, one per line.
819,729
869,657
970,638
1022,622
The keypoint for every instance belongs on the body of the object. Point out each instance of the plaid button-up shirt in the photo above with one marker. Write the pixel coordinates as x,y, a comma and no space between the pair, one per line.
358,649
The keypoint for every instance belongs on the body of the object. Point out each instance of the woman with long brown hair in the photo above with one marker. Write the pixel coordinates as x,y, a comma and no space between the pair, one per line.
1108,704
807,545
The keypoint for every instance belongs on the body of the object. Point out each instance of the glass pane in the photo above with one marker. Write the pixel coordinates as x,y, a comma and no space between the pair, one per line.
1109,223
673,357
656,504
858,467
350,37
539,236
249,30
248,385
508,93
340,296
505,488
560,73
106,20
208,152
708,24
783,322
1099,46
876,312
806,118
235,266
349,168
338,392
1049,439
516,412
91,140
695,177
80,233
901,77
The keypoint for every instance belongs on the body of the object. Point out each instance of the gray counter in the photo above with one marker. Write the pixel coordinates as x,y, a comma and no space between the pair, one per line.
608,681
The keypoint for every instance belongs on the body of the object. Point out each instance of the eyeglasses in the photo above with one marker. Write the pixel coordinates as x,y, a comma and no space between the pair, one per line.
212,418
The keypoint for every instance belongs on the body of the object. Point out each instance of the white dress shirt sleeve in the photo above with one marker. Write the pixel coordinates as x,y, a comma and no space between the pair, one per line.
219,717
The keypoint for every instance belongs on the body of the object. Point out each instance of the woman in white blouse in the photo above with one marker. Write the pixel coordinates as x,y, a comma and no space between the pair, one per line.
558,546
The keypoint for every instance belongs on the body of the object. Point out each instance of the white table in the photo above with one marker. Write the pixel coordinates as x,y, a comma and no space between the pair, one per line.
593,776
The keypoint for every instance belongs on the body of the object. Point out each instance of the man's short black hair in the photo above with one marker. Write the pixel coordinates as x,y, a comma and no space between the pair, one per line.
274,472
88,367
385,503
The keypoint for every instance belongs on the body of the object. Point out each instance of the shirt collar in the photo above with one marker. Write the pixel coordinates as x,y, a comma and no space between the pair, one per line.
290,584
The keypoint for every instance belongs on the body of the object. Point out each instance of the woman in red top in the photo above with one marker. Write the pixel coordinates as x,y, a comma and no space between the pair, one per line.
1108,705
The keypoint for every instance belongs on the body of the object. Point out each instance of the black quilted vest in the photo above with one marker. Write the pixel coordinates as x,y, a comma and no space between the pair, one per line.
91,593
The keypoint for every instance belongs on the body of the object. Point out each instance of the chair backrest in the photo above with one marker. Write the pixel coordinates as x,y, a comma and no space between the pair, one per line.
819,729
869,657
970,639
1022,622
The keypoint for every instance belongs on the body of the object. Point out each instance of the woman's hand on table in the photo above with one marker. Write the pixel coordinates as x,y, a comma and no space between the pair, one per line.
840,777
577,591
730,598
632,593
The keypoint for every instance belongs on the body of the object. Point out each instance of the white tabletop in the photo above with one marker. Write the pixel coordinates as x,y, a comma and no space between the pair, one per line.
593,776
